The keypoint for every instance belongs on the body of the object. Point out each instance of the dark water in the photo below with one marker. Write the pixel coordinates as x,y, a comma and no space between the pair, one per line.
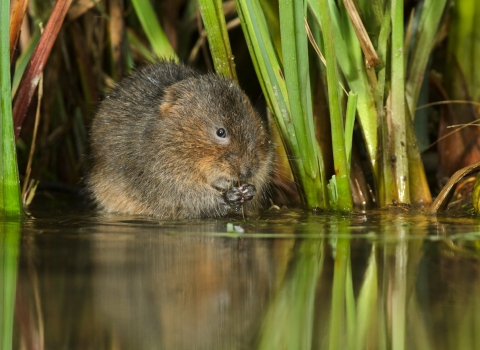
291,281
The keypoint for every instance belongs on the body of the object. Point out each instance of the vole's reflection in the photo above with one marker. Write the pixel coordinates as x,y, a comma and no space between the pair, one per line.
135,283
181,292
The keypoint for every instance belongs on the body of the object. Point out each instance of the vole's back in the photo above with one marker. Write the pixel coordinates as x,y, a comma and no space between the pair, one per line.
156,147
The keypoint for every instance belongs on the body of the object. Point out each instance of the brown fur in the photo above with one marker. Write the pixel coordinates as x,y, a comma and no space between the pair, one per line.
155,150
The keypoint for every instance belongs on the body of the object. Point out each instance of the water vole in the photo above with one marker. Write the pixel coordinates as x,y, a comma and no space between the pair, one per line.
172,142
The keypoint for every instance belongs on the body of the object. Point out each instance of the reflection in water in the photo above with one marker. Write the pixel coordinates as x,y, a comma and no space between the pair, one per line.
9,242
182,292
362,282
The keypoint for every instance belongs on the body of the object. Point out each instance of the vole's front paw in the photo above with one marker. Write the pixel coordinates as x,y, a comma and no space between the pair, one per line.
235,196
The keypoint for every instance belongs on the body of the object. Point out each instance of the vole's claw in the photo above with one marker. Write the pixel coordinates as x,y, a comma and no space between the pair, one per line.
235,196
248,191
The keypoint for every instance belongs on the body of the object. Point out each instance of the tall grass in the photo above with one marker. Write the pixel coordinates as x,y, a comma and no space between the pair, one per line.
150,24
336,113
381,107
308,172
216,28
10,202
464,48
367,56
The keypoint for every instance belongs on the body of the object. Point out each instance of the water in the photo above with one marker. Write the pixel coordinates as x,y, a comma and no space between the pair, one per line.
291,281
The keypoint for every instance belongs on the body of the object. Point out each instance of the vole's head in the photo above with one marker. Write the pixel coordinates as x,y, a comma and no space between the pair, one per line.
218,135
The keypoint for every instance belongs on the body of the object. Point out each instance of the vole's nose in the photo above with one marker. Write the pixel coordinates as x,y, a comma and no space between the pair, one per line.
244,166
245,172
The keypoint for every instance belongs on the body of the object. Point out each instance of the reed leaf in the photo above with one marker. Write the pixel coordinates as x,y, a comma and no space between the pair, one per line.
151,25
464,46
419,189
396,144
372,14
297,80
361,34
386,188
10,199
139,46
351,62
217,34
271,11
23,60
349,124
270,74
424,40
336,115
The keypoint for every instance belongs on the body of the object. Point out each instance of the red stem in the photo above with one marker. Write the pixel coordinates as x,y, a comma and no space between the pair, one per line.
35,67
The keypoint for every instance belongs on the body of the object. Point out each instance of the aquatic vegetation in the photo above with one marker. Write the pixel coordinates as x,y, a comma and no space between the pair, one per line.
10,203
341,79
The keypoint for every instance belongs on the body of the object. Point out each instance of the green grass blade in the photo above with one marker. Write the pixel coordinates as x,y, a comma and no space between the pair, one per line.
267,65
23,60
160,44
270,74
336,116
425,39
372,15
297,80
351,62
464,47
10,200
333,192
349,124
419,189
138,46
385,184
271,11
397,117
217,34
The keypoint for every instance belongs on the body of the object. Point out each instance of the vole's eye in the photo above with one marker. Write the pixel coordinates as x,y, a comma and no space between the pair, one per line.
222,133
222,137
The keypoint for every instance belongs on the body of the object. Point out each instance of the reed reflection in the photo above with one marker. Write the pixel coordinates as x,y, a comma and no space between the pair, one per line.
345,283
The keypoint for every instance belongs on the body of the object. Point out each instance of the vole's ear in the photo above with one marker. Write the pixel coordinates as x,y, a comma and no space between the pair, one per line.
169,100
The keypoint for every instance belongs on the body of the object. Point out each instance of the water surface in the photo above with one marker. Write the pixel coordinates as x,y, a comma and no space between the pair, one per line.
290,281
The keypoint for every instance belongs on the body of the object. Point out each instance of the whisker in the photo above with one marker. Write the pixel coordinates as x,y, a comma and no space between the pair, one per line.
287,199
288,179
287,157
286,171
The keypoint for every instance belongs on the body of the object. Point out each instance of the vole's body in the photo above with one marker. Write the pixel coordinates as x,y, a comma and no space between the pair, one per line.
174,143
